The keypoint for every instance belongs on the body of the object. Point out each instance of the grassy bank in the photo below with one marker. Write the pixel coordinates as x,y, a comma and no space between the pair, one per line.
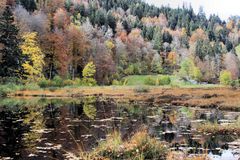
205,97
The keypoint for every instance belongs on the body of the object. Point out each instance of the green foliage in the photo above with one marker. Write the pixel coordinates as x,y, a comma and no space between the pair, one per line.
235,83
57,81
156,65
150,81
225,77
157,39
11,55
44,83
116,82
69,82
189,70
197,74
133,69
186,69
164,80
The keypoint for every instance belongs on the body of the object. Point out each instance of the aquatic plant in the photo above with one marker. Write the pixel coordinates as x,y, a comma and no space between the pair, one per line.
139,146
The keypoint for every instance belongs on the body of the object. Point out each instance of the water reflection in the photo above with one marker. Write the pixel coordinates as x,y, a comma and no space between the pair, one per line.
48,129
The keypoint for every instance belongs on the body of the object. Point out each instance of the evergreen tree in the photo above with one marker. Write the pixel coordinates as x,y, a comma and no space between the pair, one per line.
157,40
12,57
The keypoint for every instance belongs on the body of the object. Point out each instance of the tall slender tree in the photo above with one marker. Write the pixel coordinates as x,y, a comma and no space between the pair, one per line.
11,55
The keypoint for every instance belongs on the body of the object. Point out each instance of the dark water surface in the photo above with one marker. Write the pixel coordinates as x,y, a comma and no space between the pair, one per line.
49,129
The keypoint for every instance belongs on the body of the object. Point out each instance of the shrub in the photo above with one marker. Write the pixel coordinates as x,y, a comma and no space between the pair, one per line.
57,81
7,80
164,80
78,81
225,77
197,74
129,70
44,83
141,89
31,86
116,83
150,81
89,82
4,91
68,82
235,83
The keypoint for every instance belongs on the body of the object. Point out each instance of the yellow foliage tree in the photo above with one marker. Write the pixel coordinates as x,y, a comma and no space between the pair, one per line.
35,58
110,45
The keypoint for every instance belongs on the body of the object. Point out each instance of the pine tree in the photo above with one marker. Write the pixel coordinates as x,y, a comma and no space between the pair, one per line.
158,40
12,57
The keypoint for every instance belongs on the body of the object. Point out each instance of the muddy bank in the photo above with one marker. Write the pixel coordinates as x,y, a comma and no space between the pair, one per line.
222,98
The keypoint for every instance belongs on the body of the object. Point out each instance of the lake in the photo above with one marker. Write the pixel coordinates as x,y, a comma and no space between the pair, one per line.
54,128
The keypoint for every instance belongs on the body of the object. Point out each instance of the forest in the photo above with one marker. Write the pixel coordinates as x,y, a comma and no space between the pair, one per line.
93,42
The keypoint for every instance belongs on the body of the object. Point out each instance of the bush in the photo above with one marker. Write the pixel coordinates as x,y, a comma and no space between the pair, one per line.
225,77
4,91
164,80
68,82
44,83
57,81
7,80
31,86
129,70
235,83
141,89
150,81
89,82
116,83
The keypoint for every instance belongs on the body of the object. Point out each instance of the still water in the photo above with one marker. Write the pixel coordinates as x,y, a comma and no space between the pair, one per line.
50,129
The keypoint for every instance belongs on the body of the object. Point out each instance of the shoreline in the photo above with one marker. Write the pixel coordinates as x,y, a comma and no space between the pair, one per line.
223,98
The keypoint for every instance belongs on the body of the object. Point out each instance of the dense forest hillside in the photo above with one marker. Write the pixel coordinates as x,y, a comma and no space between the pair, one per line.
106,40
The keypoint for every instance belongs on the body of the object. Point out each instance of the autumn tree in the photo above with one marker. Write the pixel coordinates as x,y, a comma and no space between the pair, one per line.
12,57
232,65
2,6
56,54
88,74
172,58
33,67
61,19
77,48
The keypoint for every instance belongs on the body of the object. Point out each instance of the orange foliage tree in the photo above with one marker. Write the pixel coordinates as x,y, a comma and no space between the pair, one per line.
77,49
61,19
